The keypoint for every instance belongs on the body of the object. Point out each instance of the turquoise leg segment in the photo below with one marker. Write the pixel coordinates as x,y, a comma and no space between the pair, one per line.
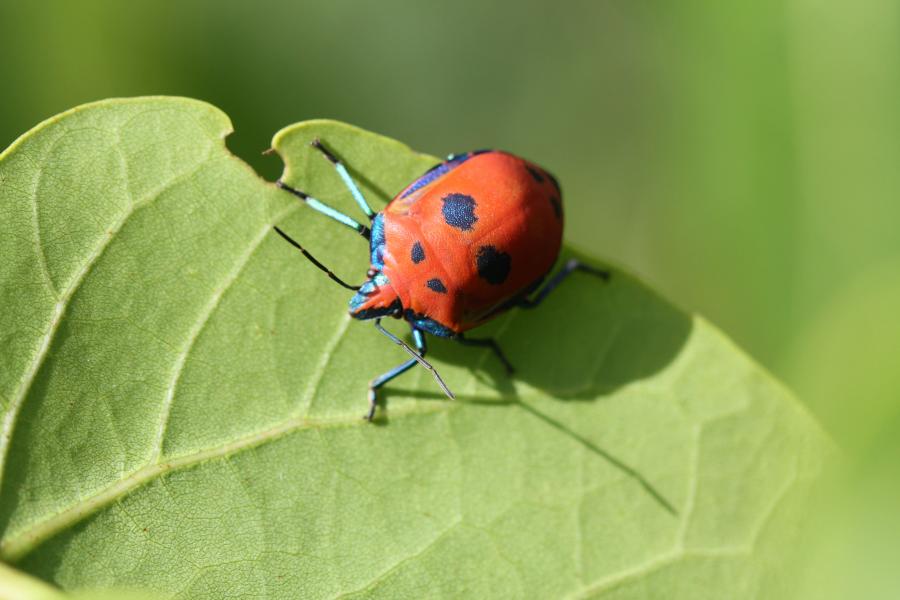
345,175
354,189
326,210
330,212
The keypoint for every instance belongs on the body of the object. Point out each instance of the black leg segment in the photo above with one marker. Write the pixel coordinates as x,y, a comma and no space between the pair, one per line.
488,343
326,210
314,261
572,265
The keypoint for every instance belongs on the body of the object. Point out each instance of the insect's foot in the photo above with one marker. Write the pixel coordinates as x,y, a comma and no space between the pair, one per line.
299,193
507,366
601,273
373,405
317,144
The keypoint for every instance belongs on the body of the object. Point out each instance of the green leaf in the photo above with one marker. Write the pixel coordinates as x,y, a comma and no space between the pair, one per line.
182,396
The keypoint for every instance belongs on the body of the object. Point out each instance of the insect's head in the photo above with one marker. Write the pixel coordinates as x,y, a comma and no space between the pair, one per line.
375,298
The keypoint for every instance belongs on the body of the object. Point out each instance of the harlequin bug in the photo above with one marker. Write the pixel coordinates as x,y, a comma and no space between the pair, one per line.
471,238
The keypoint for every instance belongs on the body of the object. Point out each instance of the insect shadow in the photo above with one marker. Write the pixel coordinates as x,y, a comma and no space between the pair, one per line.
588,339
586,342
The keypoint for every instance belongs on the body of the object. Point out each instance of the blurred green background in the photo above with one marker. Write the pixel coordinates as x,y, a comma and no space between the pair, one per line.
743,158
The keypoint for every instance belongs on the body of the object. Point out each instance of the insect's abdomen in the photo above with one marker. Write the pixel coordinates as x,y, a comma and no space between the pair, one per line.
472,239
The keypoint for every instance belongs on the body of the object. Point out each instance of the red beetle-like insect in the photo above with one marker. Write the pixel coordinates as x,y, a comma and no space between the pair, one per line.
471,238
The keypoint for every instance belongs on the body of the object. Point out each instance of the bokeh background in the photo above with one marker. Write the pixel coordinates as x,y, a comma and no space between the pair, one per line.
742,157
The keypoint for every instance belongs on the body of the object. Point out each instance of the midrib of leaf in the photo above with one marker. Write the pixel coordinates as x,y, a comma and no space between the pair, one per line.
15,547
18,400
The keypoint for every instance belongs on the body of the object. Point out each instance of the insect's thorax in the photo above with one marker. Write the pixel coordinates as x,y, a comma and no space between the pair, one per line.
379,296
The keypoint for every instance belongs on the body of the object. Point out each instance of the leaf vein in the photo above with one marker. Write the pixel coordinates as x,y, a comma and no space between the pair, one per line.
198,327
18,400
19,544
396,566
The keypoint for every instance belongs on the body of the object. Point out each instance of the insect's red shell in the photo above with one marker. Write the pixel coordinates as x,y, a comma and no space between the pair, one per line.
488,230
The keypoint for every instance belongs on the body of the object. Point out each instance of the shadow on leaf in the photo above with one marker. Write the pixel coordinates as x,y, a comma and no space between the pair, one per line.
587,340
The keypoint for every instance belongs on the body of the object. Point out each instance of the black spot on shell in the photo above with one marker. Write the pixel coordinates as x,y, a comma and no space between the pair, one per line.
459,211
417,254
535,173
493,265
557,206
555,183
436,285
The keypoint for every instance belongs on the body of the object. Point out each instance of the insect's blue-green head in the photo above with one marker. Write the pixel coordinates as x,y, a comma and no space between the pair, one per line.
375,298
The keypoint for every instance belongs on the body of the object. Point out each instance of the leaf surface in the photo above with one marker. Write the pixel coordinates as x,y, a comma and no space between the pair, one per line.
182,396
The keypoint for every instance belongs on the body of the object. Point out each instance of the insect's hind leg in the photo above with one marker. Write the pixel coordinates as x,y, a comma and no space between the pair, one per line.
488,343
345,176
572,265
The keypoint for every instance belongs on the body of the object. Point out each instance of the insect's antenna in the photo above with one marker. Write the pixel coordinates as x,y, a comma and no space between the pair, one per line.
415,355
313,260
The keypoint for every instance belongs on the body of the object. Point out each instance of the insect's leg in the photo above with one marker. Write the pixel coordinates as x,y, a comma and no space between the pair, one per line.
417,357
313,260
383,379
488,343
572,265
348,181
326,210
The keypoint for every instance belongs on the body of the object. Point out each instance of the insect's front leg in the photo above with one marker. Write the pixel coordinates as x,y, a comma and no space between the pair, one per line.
418,356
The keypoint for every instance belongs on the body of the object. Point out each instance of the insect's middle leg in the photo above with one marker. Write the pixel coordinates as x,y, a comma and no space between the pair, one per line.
488,343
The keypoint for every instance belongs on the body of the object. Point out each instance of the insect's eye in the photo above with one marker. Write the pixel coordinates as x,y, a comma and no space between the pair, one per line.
371,273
